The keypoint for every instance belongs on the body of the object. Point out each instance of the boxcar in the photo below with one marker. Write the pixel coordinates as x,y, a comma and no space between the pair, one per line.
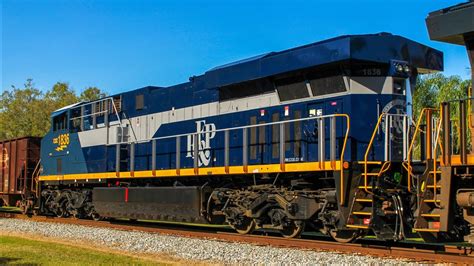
19,159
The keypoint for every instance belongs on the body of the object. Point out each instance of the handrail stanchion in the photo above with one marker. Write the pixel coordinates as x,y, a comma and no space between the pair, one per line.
178,154
153,157
387,138
332,141
117,160
244,150
282,146
321,142
81,119
196,153
462,131
132,159
226,151
405,137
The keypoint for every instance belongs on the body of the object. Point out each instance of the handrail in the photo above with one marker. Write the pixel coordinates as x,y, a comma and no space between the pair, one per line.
233,128
369,147
100,112
348,121
469,116
417,129
435,160
195,134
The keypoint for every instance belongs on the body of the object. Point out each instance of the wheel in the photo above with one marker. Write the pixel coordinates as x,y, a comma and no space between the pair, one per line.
61,213
246,226
292,229
96,217
343,236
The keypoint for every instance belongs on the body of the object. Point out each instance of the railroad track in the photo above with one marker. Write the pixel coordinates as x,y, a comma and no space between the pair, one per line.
437,253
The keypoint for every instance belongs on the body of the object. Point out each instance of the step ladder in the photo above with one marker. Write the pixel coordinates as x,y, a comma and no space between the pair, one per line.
429,217
363,201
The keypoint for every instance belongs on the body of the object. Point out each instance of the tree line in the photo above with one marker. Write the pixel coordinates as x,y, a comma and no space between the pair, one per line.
26,111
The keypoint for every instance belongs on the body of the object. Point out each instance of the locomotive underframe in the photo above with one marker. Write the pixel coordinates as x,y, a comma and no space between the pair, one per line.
286,202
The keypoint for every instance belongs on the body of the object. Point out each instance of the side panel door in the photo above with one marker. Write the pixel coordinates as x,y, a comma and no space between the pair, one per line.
258,138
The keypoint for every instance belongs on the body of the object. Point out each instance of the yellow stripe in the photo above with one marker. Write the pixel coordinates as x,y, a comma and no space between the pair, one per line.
263,169
432,215
357,226
364,200
362,213
425,230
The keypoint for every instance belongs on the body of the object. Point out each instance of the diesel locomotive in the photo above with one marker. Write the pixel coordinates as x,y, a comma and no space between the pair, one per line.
313,136
318,137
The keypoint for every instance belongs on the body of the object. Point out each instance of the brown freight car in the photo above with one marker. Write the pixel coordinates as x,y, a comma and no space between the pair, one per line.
19,162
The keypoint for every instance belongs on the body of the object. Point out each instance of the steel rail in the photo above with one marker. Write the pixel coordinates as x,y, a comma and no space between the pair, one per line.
438,254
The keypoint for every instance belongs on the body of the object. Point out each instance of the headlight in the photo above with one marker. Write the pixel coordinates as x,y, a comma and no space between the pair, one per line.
399,68
406,69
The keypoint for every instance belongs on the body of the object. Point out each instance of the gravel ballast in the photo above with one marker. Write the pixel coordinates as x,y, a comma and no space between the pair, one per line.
185,248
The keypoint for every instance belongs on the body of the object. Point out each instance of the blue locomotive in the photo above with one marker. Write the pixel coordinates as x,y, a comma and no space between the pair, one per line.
313,136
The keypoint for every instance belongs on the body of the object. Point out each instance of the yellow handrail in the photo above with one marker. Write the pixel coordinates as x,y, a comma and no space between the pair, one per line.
348,121
434,161
417,128
368,150
469,116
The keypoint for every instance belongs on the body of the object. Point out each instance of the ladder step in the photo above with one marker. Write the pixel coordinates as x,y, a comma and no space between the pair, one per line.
434,172
371,174
364,200
370,162
425,230
431,201
362,213
362,187
430,215
357,226
432,186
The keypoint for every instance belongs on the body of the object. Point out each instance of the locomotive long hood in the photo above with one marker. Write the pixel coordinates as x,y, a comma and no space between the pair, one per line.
454,24
376,48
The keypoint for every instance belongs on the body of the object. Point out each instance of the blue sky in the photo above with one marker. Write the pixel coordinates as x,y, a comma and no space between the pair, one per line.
121,45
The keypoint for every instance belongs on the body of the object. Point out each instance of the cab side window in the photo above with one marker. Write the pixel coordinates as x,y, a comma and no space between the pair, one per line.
139,102
60,122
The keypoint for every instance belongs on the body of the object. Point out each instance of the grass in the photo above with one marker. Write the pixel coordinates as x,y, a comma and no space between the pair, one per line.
21,251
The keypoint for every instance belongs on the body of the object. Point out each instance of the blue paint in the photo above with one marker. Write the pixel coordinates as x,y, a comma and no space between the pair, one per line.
381,50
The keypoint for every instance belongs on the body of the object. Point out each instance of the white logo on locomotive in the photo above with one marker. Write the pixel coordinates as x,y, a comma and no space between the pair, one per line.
397,121
206,133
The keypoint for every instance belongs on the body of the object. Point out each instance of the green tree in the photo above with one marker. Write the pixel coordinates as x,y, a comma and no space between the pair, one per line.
60,95
20,112
26,111
432,90
91,94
